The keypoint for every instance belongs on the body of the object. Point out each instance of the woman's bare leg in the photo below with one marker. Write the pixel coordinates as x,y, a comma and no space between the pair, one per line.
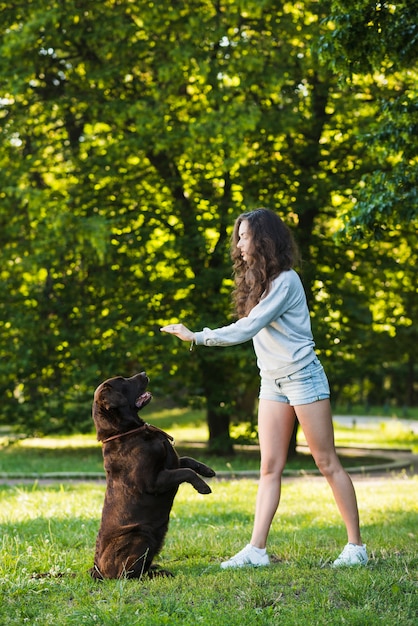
275,427
316,422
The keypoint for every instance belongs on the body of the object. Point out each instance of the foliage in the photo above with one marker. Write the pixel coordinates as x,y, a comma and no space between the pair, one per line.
52,529
132,135
364,36
381,40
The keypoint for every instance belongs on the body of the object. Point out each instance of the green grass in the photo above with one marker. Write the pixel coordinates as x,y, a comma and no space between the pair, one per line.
53,529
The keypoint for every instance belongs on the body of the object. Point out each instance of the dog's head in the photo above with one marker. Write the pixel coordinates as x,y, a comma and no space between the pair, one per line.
117,402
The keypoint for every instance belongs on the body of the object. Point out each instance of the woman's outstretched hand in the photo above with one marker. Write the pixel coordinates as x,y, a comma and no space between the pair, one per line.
180,331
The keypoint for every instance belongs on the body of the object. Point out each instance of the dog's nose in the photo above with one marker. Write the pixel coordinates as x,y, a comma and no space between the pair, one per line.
141,376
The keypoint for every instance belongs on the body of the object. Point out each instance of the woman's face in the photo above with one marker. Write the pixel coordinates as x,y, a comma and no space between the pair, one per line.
244,240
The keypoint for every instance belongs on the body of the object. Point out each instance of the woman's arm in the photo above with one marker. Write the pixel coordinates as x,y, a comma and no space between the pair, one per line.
286,290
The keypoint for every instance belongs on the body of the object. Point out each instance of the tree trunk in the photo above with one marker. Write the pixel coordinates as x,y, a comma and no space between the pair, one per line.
411,381
217,385
219,437
291,453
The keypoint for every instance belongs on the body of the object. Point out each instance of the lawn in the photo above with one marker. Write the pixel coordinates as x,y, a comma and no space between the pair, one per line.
53,529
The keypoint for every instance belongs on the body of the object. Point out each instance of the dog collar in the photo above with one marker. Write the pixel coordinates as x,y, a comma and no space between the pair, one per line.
136,430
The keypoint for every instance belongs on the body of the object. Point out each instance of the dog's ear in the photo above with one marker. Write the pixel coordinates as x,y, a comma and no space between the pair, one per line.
110,398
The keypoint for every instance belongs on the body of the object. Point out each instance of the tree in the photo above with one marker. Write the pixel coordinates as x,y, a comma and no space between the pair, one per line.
132,136
381,40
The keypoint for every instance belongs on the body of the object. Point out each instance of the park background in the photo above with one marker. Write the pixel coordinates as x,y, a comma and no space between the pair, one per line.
132,134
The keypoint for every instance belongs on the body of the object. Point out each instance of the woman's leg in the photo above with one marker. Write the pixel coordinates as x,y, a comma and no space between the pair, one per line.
316,422
275,427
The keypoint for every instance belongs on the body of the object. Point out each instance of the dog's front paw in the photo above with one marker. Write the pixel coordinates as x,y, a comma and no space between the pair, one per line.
197,466
203,488
207,471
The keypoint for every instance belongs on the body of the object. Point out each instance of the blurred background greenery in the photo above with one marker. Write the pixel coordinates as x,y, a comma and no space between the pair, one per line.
134,133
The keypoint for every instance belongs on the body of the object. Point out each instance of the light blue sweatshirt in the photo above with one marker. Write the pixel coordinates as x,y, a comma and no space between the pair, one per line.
279,326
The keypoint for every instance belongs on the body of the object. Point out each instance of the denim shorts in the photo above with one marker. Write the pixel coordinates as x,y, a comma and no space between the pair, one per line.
307,385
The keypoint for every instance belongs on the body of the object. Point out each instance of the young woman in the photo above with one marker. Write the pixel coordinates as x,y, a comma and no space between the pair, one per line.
272,310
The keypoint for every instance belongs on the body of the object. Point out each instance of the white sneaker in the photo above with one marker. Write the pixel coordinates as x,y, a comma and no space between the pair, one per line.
247,556
352,555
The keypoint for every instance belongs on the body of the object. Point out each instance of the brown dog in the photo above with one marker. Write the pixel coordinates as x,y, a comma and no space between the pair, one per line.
143,473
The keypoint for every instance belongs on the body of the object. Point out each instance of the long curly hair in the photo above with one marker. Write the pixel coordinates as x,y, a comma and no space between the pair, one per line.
273,250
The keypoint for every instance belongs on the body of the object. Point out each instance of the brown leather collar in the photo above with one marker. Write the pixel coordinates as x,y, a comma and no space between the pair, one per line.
136,430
